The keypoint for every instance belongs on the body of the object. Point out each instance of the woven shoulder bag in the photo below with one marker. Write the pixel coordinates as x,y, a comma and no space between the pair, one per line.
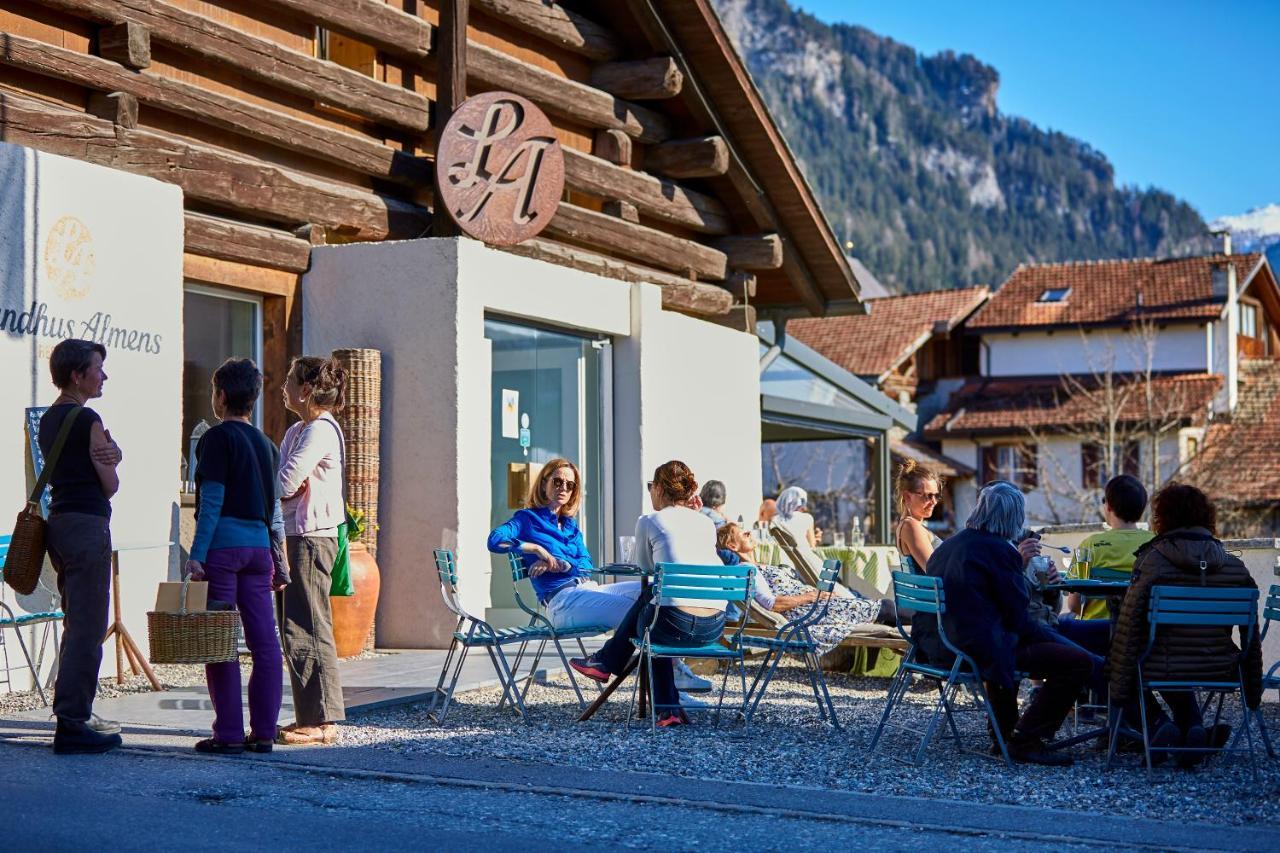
25,560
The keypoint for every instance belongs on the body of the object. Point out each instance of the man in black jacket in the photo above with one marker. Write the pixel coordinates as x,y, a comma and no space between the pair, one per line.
986,618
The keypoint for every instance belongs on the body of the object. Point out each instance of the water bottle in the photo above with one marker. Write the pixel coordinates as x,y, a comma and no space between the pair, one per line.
856,539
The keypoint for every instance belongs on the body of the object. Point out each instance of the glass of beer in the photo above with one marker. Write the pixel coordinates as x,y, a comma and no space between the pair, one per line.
1083,559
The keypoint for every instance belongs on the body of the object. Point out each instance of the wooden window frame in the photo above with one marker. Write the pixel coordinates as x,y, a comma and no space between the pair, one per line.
1022,469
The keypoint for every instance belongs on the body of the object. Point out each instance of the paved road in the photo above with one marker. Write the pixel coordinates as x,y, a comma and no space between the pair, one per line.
161,795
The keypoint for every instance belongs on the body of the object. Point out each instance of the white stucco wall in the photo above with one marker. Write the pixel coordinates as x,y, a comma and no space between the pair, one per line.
1181,347
98,253
423,304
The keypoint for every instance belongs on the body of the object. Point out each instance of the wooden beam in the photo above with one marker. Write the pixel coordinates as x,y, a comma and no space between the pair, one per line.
564,97
217,110
613,146
116,107
227,240
641,80
207,174
262,59
239,276
752,251
128,43
556,24
742,285
650,245
370,21
451,90
623,210
677,293
655,197
703,157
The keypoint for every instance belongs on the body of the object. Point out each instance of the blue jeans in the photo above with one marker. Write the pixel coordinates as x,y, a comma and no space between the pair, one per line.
592,605
674,627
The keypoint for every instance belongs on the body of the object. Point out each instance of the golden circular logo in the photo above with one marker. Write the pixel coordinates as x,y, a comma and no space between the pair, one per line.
69,262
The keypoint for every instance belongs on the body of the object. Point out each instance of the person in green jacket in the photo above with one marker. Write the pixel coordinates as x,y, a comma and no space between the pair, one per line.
1123,503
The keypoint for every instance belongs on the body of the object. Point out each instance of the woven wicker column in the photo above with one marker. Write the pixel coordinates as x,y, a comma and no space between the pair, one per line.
361,423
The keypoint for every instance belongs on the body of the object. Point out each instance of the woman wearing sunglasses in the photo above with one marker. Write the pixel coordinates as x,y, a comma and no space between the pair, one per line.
919,491
549,538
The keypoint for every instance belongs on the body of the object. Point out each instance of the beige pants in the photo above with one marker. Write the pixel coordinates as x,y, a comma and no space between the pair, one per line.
309,650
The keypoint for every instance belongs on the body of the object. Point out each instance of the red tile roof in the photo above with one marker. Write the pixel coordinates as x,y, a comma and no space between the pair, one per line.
875,343
1014,406
1107,292
1239,462
944,465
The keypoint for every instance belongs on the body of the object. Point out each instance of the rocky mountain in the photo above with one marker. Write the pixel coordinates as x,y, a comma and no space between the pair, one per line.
914,163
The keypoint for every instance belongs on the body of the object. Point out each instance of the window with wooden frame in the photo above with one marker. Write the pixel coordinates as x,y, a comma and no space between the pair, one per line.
1017,463
347,52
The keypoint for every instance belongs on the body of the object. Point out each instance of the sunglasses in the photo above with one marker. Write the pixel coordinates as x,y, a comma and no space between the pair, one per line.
929,496
562,483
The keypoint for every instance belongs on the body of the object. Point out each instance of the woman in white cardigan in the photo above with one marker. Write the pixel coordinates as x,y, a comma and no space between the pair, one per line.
311,458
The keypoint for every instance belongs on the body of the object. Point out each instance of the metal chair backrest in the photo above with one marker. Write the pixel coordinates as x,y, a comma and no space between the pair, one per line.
519,573
827,579
706,583
1202,606
1102,573
1271,609
922,594
4,549
447,570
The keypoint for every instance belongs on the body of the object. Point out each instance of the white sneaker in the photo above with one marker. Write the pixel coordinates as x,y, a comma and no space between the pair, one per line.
688,681
101,726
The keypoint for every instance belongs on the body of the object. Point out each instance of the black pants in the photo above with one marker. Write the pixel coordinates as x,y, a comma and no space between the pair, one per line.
80,549
673,628
1065,669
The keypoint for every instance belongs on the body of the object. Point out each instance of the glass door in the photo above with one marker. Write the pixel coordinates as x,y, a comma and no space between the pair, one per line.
548,400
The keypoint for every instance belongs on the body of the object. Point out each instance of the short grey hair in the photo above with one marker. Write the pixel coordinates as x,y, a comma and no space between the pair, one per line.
713,494
1001,509
790,501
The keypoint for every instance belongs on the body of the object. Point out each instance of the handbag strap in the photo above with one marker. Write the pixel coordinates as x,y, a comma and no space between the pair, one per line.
342,461
51,461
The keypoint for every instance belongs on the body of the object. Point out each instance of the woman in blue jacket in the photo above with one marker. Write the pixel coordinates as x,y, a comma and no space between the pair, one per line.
547,534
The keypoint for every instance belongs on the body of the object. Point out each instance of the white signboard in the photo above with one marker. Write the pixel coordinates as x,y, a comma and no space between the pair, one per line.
510,406
95,253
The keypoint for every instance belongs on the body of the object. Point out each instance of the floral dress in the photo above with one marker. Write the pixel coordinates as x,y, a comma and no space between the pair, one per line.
842,618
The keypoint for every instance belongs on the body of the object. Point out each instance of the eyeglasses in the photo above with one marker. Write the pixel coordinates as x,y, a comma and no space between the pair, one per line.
929,496
561,483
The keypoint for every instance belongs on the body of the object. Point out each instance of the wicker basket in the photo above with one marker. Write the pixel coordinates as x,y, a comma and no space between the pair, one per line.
22,566
204,636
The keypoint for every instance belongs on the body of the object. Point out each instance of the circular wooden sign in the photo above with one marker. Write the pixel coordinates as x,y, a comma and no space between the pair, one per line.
499,169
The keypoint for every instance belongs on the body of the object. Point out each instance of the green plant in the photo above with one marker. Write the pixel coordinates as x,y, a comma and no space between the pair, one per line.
358,524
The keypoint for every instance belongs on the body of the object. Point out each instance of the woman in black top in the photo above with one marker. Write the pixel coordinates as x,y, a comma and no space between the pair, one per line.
79,541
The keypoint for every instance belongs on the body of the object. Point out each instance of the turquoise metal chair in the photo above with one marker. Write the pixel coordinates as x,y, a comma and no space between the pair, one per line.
1271,680
794,638
705,583
540,623
11,621
1197,606
470,633
925,594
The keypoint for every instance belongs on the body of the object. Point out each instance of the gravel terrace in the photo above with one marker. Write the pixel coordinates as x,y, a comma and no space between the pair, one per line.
788,746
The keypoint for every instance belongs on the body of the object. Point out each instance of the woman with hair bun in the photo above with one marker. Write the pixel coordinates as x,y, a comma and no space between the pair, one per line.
310,479
673,533
919,489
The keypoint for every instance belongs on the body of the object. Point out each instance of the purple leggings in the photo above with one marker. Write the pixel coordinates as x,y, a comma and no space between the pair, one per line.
243,576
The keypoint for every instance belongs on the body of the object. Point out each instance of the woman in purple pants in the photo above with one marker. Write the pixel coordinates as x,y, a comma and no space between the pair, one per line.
238,548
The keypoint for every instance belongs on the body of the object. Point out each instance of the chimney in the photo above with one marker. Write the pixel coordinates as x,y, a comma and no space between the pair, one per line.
1224,238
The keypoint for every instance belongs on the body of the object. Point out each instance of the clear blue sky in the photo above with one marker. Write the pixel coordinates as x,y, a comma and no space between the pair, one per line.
1179,94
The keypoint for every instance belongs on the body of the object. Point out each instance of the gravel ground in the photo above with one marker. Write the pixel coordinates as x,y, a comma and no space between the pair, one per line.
788,746
170,675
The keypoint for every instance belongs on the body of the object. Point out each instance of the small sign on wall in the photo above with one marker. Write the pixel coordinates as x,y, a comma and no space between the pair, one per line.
510,410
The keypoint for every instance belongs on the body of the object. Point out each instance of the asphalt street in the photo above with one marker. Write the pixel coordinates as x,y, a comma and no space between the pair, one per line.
161,795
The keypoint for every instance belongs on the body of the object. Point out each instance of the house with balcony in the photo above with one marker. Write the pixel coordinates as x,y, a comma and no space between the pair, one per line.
1089,369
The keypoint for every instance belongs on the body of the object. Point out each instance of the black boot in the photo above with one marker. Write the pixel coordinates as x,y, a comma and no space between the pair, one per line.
72,738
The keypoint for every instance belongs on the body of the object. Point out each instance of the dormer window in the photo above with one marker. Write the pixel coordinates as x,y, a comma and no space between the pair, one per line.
1055,294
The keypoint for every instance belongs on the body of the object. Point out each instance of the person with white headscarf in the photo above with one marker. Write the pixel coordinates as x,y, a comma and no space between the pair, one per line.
794,516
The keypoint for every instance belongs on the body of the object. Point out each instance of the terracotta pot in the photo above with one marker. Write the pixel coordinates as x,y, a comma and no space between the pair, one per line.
353,614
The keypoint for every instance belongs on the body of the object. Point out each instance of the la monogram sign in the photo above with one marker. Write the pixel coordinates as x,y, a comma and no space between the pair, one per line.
499,170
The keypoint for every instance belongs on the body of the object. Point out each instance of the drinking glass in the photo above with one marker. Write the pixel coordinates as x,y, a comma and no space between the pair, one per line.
1080,568
837,539
626,549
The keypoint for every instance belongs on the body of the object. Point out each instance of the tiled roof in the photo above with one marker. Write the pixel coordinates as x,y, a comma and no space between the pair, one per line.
875,343
1107,292
944,465
1004,406
1239,461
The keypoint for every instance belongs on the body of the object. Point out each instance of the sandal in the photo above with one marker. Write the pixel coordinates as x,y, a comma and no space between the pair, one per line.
324,735
215,747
